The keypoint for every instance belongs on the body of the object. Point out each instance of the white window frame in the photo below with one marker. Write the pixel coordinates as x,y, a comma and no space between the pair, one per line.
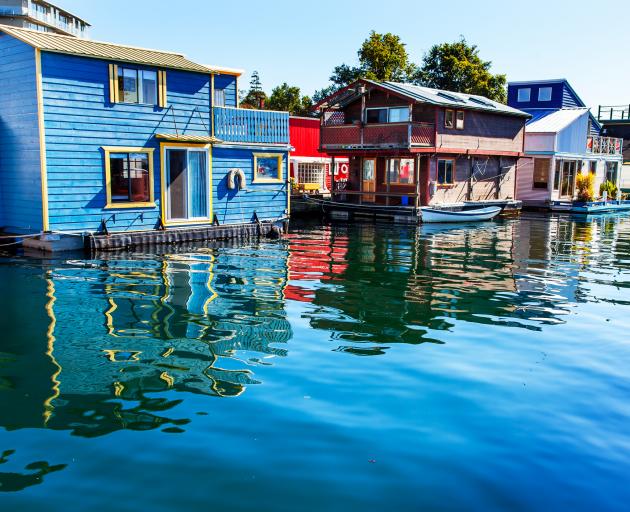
388,109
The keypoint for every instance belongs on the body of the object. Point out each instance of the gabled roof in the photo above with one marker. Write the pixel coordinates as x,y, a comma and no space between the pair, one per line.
555,120
419,94
70,45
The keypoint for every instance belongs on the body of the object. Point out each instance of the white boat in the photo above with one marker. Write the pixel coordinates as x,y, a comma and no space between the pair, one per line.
473,215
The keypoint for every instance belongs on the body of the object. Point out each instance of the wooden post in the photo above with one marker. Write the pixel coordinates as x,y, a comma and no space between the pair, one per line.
416,173
470,177
387,177
498,180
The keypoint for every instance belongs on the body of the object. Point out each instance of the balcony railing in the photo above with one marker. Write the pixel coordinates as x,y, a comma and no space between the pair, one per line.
604,145
255,126
403,135
614,113
13,11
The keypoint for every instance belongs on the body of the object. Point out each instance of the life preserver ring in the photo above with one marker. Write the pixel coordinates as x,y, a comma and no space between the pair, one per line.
233,175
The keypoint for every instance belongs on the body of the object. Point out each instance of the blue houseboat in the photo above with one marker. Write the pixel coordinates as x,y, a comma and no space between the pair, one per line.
127,146
562,140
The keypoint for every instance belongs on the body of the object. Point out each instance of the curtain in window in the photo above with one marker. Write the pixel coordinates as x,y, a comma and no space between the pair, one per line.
198,184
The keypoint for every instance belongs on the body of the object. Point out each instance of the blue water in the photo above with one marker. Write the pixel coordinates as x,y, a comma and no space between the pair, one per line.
367,367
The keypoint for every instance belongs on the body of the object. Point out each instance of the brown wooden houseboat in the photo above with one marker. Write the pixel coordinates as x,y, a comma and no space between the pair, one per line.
411,146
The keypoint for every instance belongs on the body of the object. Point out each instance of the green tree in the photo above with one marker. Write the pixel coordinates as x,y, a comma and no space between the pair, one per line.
255,97
457,67
286,97
382,57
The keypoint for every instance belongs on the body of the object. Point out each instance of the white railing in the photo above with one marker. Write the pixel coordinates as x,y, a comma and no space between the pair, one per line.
604,145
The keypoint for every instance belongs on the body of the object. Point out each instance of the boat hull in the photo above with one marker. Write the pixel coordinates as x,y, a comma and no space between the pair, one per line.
432,215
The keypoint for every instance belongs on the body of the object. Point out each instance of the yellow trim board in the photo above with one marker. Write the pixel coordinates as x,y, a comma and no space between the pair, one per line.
42,140
109,205
163,211
277,156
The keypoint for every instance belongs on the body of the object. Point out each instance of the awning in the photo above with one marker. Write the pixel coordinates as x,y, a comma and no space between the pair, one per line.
200,139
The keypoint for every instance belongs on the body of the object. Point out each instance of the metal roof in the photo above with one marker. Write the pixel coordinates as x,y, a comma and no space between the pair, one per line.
57,43
451,99
422,94
555,121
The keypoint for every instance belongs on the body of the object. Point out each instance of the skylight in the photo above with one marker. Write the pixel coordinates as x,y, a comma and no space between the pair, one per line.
481,102
450,97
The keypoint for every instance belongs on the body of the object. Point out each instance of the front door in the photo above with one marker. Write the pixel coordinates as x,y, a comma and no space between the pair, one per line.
187,185
368,179
567,181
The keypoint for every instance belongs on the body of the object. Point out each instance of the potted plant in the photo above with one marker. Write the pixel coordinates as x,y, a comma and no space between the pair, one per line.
609,187
585,184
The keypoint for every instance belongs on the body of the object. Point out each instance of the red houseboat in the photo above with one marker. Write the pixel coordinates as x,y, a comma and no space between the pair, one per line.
313,171
413,146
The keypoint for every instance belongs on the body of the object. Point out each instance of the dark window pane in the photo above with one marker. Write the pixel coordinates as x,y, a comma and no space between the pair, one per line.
376,115
139,177
119,174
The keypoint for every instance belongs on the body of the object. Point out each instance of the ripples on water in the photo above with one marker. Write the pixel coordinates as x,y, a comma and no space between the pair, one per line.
239,376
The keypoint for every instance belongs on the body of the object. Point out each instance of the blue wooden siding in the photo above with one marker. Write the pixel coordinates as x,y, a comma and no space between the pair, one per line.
267,200
228,84
80,120
20,174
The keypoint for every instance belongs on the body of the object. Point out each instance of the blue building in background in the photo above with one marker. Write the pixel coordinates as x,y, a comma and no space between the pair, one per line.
101,138
562,140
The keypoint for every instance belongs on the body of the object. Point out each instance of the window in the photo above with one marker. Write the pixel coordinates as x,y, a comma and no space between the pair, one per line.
387,115
398,115
129,177
459,120
401,171
376,115
592,167
267,168
449,118
541,173
557,175
219,97
524,94
137,86
544,94
446,172
611,172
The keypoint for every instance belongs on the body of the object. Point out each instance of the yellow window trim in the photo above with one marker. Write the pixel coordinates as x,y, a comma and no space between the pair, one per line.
163,213
109,205
277,156
114,95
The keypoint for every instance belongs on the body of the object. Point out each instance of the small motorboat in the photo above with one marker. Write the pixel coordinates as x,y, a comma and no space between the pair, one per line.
471,215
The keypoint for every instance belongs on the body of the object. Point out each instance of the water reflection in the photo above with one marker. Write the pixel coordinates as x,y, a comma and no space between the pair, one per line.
127,326
94,346
33,475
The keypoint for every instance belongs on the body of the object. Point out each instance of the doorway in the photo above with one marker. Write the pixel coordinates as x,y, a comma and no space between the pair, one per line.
186,182
368,180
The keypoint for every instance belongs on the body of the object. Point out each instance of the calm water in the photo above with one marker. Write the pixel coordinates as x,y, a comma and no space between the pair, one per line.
344,368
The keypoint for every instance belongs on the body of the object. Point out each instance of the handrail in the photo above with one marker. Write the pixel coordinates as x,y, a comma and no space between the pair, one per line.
613,113
255,126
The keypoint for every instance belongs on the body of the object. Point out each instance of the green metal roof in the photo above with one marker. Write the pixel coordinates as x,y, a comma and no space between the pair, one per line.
57,43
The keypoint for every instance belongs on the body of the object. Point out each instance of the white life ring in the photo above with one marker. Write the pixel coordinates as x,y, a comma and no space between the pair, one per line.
233,175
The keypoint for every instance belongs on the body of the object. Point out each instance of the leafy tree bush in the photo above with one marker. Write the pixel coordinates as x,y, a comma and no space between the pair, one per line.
585,184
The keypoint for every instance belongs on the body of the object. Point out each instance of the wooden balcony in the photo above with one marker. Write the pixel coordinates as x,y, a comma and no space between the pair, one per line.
251,126
604,146
377,136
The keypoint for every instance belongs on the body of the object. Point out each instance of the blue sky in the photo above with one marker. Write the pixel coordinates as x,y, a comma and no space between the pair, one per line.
300,42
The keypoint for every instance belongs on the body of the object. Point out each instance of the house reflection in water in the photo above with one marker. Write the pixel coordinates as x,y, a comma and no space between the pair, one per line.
405,285
122,328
